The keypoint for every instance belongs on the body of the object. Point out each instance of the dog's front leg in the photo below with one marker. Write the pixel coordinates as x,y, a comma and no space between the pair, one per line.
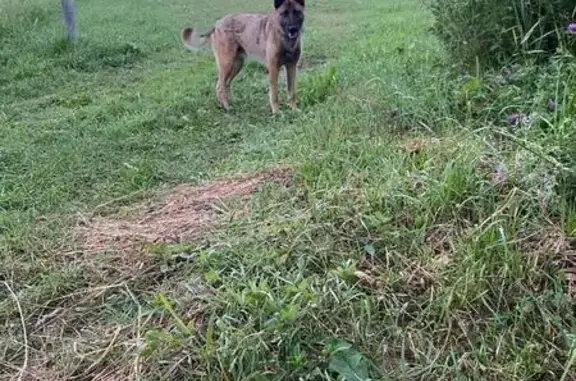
273,72
291,79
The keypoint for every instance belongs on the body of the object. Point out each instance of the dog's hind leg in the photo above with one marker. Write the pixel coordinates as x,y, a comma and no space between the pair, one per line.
228,63
224,68
226,74
237,66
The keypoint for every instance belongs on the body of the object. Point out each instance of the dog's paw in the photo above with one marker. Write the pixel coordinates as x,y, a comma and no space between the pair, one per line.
294,108
278,114
224,107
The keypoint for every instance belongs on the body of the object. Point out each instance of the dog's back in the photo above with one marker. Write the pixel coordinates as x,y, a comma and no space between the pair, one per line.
249,30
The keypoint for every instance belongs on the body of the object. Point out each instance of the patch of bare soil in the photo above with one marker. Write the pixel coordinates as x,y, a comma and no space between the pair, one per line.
416,145
186,214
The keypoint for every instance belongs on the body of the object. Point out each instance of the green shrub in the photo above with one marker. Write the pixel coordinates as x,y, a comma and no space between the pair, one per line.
495,32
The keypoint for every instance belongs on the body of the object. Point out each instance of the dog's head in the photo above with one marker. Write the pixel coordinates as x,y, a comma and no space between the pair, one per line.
291,18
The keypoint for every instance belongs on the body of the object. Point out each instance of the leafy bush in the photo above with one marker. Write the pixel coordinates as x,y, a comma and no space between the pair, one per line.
494,32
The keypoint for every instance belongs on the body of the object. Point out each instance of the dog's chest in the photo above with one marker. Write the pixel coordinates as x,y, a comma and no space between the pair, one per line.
289,56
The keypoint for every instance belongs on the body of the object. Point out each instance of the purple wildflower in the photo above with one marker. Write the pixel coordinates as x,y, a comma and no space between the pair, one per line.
551,105
514,119
572,28
518,119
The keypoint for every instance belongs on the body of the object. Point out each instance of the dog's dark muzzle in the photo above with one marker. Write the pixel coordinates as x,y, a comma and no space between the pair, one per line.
292,33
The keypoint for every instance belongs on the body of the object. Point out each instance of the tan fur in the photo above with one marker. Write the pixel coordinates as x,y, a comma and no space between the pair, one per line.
235,36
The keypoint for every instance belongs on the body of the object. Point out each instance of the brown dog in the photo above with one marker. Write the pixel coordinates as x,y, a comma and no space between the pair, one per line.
274,39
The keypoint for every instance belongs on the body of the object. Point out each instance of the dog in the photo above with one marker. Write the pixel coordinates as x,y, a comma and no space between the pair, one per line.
274,39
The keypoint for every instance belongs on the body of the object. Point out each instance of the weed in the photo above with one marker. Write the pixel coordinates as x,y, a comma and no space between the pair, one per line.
318,86
495,32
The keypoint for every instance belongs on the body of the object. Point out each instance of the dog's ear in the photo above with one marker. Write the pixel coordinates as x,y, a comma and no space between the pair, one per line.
301,2
278,3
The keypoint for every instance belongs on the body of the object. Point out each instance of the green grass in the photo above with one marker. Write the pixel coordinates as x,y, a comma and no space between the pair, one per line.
378,262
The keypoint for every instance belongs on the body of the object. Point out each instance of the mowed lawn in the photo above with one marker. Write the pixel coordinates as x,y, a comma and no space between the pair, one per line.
385,253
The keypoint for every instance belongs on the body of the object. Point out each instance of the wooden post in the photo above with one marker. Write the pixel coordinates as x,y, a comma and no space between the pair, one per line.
69,18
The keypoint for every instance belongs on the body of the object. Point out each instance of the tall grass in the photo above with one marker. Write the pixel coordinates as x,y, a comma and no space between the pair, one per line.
522,56
496,32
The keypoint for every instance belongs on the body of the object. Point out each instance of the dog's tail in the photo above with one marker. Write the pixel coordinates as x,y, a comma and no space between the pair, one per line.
193,40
